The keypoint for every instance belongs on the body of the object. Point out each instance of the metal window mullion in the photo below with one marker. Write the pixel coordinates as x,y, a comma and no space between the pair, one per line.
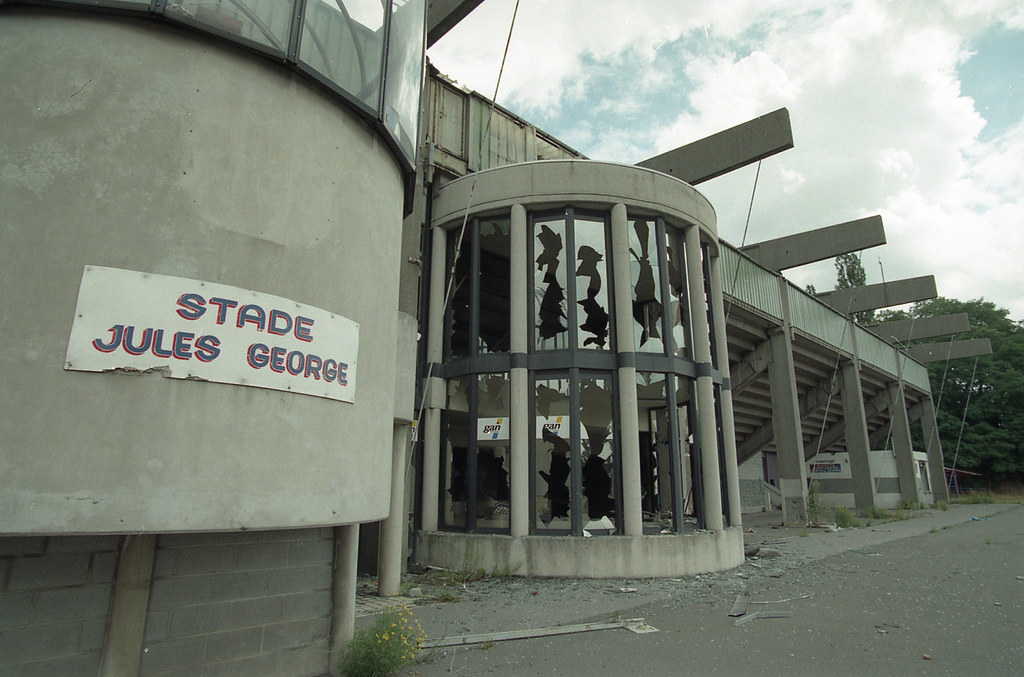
294,32
474,288
696,469
684,296
575,451
471,453
609,279
668,341
388,12
674,455
723,477
531,408
709,302
570,278
613,379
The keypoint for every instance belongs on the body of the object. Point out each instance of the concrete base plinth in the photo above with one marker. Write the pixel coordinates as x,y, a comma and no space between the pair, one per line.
575,557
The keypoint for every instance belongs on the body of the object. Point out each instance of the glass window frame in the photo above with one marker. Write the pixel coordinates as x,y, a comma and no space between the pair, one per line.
288,54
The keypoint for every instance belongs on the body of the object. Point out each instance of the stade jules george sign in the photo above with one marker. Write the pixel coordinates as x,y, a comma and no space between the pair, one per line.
190,329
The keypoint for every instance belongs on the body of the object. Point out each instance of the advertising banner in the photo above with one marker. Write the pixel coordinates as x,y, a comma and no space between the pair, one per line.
188,329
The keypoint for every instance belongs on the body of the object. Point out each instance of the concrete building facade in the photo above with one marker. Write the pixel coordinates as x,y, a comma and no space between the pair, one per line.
226,227
182,508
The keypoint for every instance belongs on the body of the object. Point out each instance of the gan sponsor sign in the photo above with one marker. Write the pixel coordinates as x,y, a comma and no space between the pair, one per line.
826,467
200,330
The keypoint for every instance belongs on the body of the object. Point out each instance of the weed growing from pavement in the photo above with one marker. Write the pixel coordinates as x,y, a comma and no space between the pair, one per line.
391,641
845,518
876,513
978,497
942,505
813,504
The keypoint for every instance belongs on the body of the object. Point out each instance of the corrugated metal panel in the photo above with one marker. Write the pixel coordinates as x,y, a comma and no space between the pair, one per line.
448,128
748,282
875,351
819,320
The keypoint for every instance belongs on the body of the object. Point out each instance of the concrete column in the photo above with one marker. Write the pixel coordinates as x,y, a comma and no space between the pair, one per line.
856,428
519,386
343,589
122,648
936,473
901,444
706,424
431,423
786,429
629,429
732,473
390,563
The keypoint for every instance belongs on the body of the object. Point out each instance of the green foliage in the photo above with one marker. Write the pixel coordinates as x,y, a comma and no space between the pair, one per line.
907,504
849,274
386,645
992,395
813,503
845,518
876,513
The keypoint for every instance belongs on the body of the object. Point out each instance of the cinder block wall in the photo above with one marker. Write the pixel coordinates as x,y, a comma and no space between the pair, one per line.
54,600
253,603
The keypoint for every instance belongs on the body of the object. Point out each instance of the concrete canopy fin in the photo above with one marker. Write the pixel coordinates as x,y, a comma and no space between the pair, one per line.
817,245
950,350
443,15
922,327
727,150
881,295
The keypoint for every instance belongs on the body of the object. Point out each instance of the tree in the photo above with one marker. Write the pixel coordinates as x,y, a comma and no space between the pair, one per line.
988,399
849,274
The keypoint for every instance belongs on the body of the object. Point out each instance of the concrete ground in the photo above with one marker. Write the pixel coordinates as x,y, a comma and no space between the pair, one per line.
942,593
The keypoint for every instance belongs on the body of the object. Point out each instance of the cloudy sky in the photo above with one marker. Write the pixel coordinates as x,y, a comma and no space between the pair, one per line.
912,109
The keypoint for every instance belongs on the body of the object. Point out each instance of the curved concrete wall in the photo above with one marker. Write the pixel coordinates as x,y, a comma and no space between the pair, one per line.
133,145
580,182
598,557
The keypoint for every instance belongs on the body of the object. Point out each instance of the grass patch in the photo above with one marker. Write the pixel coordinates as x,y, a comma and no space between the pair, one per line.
979,497
390,642
844,517
876,513
942,505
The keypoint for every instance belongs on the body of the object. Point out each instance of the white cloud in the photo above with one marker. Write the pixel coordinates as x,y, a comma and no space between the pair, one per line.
879,121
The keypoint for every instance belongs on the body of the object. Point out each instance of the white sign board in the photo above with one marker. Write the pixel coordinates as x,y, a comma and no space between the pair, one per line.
212,332
492,429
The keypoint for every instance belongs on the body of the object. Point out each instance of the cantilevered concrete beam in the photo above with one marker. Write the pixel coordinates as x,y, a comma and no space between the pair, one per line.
950,350
882,295
443,15
817,245
725,151
922,327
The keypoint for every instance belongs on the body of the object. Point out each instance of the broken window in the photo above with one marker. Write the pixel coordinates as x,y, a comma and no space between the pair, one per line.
645,279
550,285
591,284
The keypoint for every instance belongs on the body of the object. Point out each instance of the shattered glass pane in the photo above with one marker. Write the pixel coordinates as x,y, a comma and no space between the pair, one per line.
591,285
646,282
553,444
676,281
492,451
495,287
456,448
550,285
598,457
